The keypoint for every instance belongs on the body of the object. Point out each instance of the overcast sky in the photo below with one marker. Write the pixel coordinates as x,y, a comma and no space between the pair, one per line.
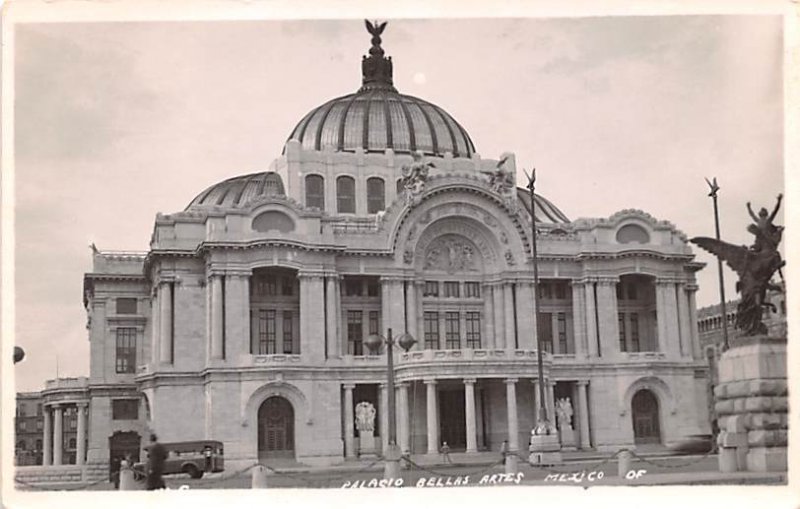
118,121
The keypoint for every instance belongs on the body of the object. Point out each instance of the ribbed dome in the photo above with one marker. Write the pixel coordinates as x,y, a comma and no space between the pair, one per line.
238,191
377,117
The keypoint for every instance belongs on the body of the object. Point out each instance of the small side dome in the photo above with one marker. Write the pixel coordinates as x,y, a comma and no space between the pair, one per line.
238,191
546,212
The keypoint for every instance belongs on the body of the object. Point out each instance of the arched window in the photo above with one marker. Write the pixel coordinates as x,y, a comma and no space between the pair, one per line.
632,233
400,187
315,191
376,195
346,195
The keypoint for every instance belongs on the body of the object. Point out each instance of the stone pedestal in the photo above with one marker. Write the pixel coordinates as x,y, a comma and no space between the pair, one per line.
751,400
545,446
366,444
567,436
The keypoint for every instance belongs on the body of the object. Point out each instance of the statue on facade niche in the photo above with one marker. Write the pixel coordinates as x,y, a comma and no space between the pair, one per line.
414,176
500,180
564,413
365,416
755,265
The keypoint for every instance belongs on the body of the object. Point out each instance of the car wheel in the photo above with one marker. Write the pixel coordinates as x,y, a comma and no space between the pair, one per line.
193,472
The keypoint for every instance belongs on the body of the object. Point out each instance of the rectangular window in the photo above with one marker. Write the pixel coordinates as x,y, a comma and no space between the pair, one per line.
373,289
39,409
544,291
472,289
267,331
431,319
39,425
267,286
452,331
353,287
287,286
374,323
545,321
126,306
288,332
451,289
126,350
635,332
560,290
562,333
632,295
355,333
621,321
125,409
473,329
431,289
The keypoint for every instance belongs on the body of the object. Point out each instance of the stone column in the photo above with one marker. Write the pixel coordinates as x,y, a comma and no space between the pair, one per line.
432,416
312,317
551,400
332,317
384,415
165,302
386,307
155,327
508,307
591,319
217,331
511,410
499,316
488,340
469,407
397,303
81,452
684,320
578,319
525,313
402,417
695,335
536,401
583,414
47,442
349,431
608,319
411,309
58,434
237,315
667,317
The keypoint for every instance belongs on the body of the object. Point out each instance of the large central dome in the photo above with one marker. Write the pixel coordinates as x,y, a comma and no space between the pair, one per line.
378,117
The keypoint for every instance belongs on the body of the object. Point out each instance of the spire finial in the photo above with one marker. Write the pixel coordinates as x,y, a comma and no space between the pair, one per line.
376,69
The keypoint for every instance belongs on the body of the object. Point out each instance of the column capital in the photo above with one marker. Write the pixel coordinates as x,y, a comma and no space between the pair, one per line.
583,383
429,381
692,287
57,406
392,279
469,381
535,381
511,381
82,404
349,387
310,274
607,280
401,385
667,281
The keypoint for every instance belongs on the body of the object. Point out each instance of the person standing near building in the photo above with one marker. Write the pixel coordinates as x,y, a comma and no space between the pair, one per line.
155,464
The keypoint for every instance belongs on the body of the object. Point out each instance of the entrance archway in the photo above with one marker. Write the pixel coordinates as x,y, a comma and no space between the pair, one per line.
646,426
275,429
122,445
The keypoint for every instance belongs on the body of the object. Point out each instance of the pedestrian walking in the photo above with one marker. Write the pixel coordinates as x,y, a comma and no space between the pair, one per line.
155,464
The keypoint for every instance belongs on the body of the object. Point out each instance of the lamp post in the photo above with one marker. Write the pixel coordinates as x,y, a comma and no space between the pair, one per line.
545,446
373,343
713,194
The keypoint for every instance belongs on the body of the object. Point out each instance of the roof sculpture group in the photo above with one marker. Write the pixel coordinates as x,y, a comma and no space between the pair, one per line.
755,265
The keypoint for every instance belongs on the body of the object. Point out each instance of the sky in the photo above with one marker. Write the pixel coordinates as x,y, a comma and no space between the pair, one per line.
115,122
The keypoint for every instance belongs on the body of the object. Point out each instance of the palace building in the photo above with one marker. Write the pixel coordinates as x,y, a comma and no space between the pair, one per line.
246,320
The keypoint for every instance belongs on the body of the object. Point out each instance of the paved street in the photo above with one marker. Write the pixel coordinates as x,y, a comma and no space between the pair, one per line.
664,470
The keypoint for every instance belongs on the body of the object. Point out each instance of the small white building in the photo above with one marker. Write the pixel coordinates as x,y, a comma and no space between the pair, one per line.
245,321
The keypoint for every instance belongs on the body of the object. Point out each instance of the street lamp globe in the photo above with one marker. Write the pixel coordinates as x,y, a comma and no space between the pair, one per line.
406,341
373,343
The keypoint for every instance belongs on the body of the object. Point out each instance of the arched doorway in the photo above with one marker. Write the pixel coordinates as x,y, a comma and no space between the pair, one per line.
644,409
275,429
122,445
